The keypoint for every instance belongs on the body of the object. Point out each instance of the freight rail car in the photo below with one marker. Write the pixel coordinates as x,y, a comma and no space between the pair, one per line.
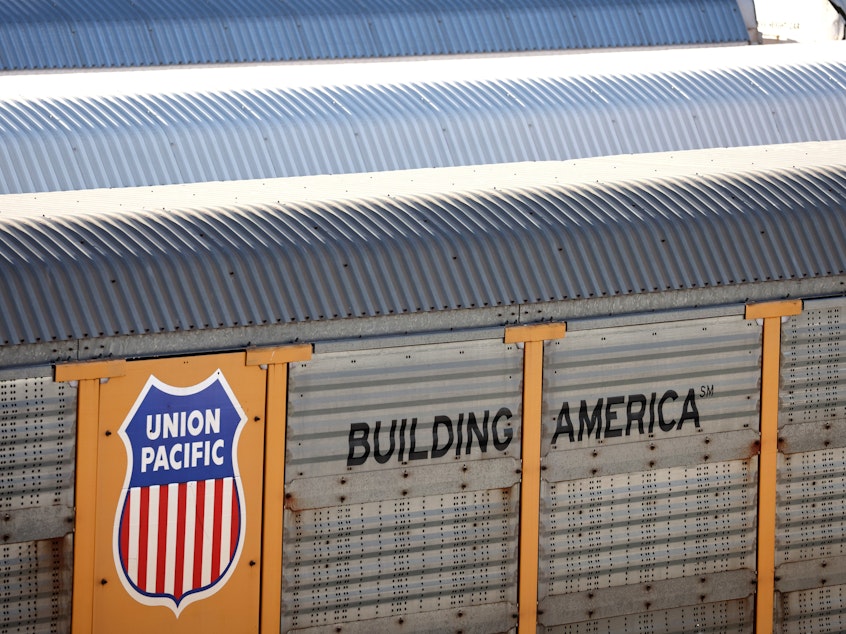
593,396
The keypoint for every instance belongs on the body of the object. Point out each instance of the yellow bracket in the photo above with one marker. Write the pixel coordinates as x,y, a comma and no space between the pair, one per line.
533,337
771,313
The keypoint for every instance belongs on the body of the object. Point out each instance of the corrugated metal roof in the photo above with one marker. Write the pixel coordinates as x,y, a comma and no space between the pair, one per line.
105,34
395,243
75,131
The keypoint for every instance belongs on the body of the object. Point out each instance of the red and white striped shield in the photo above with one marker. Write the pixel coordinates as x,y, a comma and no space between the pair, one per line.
179,525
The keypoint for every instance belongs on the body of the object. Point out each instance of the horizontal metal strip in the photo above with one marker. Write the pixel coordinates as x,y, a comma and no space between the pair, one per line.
658,545
647,596
735,616
632,381
823,304
640,516
810,544
419,581
26,372
637,319
354,410
809,437
446,527
495,336
490,618
662,492
636,353
35,523
403,483
661,555
809,574
654,454
311,378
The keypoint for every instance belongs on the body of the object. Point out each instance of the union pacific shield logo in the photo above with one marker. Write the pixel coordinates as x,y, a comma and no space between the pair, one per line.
179,527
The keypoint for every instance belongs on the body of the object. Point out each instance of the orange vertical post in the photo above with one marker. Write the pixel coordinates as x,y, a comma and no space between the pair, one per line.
276,360
771,314
532,337
85,502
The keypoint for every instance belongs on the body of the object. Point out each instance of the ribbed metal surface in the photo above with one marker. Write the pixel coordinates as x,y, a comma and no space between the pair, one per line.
670,523
644,384
35,584
811,520
102,34
266,130
617,536
174,270
726,617
813,391
37,440
811,517
647,435
819,610
377,526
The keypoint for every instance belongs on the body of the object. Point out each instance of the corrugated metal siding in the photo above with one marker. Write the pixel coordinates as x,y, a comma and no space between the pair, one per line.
37,441
173,270
729,617
819,610
650,479
35,584
378,529
102,34
811,520
138,139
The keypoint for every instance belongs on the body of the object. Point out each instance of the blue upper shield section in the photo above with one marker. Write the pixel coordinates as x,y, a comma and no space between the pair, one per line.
183,437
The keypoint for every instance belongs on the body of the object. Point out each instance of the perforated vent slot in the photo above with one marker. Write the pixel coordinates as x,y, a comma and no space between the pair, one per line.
816,611
395,557
638,527
35,586
814,348
811,515
36,443
728,617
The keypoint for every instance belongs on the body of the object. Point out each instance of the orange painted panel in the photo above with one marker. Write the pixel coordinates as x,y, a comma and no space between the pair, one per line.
179,497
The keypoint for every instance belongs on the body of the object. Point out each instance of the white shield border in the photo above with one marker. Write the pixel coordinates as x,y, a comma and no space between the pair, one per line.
152,381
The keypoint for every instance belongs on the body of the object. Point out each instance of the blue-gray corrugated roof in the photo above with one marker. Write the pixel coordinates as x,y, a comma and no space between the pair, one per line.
689,221
41,34
77,131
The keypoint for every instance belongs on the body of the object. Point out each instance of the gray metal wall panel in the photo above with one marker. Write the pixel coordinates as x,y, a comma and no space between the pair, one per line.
401,557
148,137
96,33
624,508
811,519
811,515
414,384
705,371
409,534
818,610
35,585
37,443
813,390
726,617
